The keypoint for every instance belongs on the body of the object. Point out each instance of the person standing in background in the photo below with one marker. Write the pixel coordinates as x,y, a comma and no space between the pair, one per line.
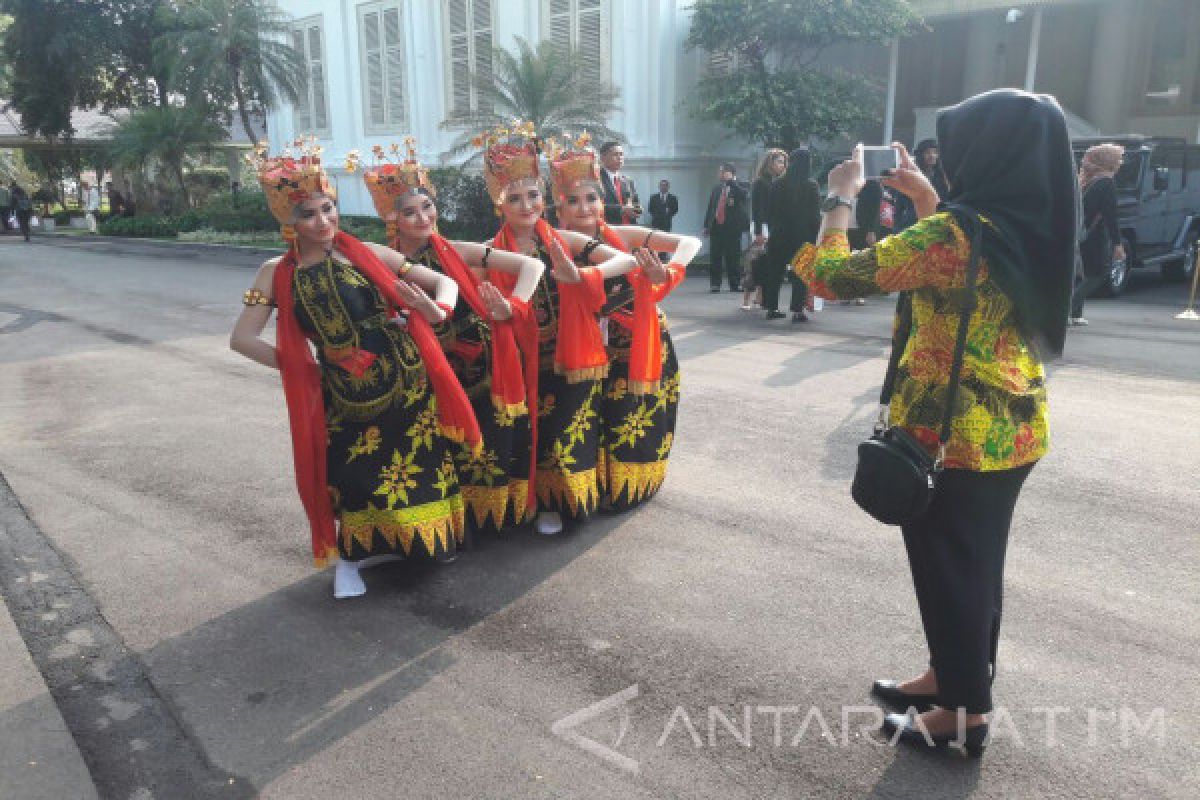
793,218
1101,243
91,204
116,203
927,157
724,223
663,207
22,206
621,205
5,207
773,164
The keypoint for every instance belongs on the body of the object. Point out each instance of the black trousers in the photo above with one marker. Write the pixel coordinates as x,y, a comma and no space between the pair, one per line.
725,255
23,223
777,268
956,553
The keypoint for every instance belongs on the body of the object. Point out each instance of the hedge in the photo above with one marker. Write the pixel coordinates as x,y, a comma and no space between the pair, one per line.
160,227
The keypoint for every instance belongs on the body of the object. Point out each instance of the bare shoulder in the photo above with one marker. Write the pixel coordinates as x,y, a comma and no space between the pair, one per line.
266,273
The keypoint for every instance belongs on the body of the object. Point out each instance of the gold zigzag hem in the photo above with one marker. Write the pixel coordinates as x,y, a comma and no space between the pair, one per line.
494,502
577,492
435,523
638,481
582,375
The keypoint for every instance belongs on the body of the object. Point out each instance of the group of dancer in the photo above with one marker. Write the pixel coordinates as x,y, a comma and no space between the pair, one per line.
462,387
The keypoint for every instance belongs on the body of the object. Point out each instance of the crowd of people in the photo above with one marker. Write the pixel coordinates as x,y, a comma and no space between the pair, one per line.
453,389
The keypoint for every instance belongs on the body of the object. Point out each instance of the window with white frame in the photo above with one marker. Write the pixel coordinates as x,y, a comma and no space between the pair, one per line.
381,49
468,26
311,112
580,26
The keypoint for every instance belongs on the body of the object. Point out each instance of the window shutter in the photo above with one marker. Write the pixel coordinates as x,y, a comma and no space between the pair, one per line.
589,42
373,58
560,25
320,115
481,28
460,56
393,43
303,109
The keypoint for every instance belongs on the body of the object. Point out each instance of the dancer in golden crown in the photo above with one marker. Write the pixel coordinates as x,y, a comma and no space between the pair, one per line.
480,338
572,358
641,392
376,416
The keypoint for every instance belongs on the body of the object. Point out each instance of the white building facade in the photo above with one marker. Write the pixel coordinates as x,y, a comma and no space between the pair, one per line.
381,70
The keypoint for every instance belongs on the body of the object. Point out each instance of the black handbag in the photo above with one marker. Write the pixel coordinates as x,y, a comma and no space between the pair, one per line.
896,477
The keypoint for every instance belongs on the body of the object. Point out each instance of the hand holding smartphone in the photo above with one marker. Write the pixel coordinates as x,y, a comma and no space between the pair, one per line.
878,160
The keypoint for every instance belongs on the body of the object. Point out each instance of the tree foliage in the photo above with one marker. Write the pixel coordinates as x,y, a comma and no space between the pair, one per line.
164,135
66,54
539,84
225,53
773,92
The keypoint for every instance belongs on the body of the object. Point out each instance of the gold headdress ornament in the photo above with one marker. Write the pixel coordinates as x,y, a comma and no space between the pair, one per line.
510,154
290,179
390,178
571,164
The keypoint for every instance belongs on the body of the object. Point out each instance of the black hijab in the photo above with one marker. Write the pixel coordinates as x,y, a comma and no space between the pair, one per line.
1007,156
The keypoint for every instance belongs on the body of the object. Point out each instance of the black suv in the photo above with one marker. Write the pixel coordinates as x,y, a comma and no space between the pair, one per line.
1158,205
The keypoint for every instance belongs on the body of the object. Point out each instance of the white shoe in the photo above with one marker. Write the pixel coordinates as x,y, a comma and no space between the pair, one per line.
747,308
549,523
1078,321
347,582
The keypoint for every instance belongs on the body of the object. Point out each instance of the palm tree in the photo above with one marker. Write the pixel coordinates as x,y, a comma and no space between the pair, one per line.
540,85
163,134
234,49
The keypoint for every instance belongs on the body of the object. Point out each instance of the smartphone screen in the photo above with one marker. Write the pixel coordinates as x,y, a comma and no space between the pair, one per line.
877,159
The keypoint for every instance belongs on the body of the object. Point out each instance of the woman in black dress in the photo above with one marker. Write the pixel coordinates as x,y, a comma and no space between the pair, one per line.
793,217
773,165
1101,243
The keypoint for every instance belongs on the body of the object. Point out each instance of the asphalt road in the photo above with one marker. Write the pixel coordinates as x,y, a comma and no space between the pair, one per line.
204,657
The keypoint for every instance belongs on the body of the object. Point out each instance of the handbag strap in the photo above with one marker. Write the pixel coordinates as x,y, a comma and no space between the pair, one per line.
904,311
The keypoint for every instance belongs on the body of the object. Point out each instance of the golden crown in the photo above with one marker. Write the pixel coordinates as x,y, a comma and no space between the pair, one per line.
390,177
290,179
510,154
572,163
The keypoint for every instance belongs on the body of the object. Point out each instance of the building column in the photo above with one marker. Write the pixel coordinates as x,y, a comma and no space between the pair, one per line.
889,114
1035,40
1118,32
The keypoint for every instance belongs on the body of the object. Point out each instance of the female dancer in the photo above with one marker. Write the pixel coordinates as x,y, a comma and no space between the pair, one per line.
571,357
372,418
479,339
641,392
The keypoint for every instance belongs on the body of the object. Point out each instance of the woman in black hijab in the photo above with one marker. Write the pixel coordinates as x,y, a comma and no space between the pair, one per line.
793,217
1010,185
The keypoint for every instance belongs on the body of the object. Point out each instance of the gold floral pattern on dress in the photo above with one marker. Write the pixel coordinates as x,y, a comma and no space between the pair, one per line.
1001,419
634,427
425,428
366,443
398,477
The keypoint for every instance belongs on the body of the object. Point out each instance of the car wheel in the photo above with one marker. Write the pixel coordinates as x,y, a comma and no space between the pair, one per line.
1118,271
1184,268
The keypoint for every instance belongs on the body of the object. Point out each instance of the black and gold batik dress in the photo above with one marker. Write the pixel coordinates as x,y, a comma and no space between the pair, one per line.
391,474
494,481
636,432
568,419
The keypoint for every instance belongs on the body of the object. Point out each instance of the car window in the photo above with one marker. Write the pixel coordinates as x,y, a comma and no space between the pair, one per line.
1172,159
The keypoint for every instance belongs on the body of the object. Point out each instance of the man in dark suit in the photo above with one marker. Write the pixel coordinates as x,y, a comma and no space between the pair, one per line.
621,206
663,206
725,221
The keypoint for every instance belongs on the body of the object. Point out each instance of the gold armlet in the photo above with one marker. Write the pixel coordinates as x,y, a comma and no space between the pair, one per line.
255,297
405,266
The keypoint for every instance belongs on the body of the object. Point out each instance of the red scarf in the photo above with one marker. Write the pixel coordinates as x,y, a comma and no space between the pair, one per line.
579,352
302,387
645,352
510,393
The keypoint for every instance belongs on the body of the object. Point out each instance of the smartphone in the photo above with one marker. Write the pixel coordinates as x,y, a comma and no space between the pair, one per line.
878,159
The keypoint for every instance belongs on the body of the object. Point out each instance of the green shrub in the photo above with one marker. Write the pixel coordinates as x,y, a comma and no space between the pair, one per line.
190,221
145,226
367,229
244,212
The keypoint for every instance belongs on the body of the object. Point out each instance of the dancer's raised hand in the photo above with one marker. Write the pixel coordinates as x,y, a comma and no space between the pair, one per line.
651,265
416,299
498,308
564,268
